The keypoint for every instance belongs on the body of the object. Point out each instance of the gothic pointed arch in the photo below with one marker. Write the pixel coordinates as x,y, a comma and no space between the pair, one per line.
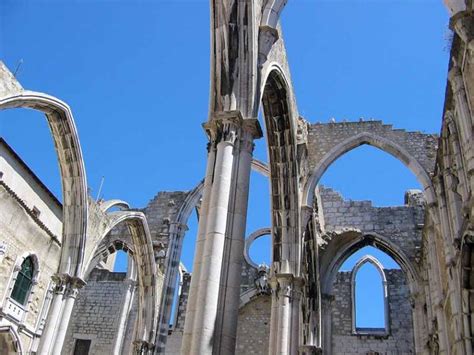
143,256
382,143
369,259
281,139
73,175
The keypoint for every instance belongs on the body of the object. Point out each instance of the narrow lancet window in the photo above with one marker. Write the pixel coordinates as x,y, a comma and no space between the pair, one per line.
369,297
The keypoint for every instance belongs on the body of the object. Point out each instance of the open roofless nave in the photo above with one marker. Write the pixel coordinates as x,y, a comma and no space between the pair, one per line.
58,291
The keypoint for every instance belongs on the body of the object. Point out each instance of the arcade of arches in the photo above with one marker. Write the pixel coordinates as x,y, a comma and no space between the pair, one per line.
58,290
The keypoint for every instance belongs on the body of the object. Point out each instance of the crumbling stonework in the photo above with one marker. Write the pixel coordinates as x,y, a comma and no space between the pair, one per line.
225,304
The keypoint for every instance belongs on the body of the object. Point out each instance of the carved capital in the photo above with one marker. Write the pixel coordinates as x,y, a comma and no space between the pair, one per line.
224,127
250,130
67,285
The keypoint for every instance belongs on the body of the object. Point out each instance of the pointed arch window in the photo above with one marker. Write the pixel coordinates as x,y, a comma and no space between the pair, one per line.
24,281
384,330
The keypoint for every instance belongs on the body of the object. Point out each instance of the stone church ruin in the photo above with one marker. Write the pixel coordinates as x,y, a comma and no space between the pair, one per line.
60,296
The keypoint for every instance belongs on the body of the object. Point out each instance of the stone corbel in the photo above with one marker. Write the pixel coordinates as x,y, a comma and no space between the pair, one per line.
463,24
251,130
266,38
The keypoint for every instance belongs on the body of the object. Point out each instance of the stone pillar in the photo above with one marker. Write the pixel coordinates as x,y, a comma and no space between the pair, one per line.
130,284
199,250
70,294
227,126
326,325
49,333
229,297
285,314
175,246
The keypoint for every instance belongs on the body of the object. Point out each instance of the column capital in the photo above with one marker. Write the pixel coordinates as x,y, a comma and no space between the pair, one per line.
65,283
223,126
287,285
252,127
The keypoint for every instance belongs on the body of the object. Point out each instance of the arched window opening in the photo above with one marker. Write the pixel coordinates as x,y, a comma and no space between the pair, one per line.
260,250
121,261
23,282
374,175
369,297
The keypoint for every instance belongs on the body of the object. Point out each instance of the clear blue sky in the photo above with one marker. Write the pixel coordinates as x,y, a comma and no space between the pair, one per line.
136,75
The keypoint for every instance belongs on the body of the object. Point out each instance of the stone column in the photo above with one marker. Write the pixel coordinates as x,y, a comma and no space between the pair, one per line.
48,335
227,127
130,284
201,236
70,294
285,314
176,235
229,297
326,325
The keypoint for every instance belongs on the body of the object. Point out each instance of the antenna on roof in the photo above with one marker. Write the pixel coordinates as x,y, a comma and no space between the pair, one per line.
20,62
100,188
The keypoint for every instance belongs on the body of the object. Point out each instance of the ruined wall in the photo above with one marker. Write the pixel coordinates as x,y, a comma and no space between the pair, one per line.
400,338
402,225
253,329
97,312
322,137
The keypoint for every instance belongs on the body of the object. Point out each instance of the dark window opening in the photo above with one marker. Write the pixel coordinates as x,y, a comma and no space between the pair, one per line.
23,282
82,347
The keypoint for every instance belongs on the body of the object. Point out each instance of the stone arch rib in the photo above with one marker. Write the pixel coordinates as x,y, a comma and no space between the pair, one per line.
73,175
376,141
281,140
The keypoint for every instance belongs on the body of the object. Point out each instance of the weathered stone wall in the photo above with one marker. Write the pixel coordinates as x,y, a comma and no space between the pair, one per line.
30,224
401,225
253,330
21,234
97,312
400,337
